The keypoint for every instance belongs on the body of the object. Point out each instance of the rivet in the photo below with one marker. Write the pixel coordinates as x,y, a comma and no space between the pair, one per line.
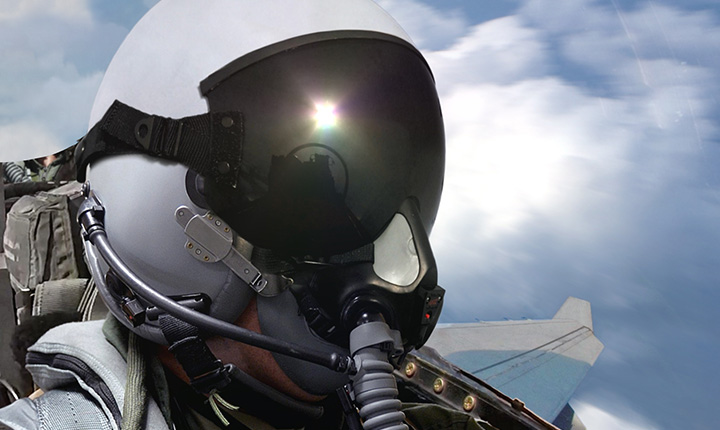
198,252
469,403
206,258
227,122
190,246
218,223
181,213
210,217
227,229
223,167
246,271
410,369
517,404
143,131
438,385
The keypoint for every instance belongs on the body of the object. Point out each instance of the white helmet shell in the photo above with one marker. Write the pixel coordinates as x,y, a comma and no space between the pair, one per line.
179,43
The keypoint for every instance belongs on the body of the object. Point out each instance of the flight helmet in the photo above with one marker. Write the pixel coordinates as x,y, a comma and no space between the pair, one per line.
291,151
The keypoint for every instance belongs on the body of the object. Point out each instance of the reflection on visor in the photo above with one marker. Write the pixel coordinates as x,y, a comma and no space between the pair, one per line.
325,115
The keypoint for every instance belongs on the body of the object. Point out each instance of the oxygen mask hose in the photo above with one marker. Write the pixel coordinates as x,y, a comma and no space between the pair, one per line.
372,343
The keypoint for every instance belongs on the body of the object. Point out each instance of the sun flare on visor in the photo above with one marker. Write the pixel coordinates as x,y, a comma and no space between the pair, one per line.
325,115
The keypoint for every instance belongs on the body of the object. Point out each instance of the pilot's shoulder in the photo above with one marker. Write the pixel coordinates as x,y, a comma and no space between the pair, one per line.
56,409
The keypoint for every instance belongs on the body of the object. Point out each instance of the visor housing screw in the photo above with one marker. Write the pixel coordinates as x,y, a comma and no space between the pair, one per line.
468,403
438,385
410,369
223,167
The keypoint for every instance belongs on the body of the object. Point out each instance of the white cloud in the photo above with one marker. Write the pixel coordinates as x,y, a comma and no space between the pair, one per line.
534,147
76,10
19,139
429,28
520,144
595,418
53,58
659,30
499,51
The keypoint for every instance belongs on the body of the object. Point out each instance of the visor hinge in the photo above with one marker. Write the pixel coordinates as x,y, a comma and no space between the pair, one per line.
210,240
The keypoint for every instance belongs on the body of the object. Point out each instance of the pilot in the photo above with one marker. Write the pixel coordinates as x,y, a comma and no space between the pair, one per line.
260,180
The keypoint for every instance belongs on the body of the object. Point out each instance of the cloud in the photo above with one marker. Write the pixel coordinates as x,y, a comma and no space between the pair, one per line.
526,148
582,146
19,139
523,142
73,10
53,59
615,40
500,51
595,418
429,27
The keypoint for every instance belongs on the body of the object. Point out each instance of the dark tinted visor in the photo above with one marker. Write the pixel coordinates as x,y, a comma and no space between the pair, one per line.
339,129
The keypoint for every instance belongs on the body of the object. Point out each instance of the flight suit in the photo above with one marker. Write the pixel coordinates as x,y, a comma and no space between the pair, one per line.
86,388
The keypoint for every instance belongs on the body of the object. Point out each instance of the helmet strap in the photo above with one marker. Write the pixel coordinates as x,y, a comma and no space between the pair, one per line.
209,144
208,376
206,372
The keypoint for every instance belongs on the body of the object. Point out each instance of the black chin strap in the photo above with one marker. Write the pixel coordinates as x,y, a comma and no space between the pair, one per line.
210,144
206,372
208,375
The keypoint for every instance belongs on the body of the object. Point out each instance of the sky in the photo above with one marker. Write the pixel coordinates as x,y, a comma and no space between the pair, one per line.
582,144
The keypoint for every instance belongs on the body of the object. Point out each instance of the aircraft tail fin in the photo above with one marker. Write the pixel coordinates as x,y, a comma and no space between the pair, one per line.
577,310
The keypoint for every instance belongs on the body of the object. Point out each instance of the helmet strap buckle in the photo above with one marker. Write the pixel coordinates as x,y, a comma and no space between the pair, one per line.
206,372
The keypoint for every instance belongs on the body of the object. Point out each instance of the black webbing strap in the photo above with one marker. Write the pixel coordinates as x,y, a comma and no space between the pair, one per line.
210,144
270,262
364,254
205,371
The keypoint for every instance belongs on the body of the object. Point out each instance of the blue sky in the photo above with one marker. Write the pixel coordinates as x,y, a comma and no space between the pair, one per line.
582,160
